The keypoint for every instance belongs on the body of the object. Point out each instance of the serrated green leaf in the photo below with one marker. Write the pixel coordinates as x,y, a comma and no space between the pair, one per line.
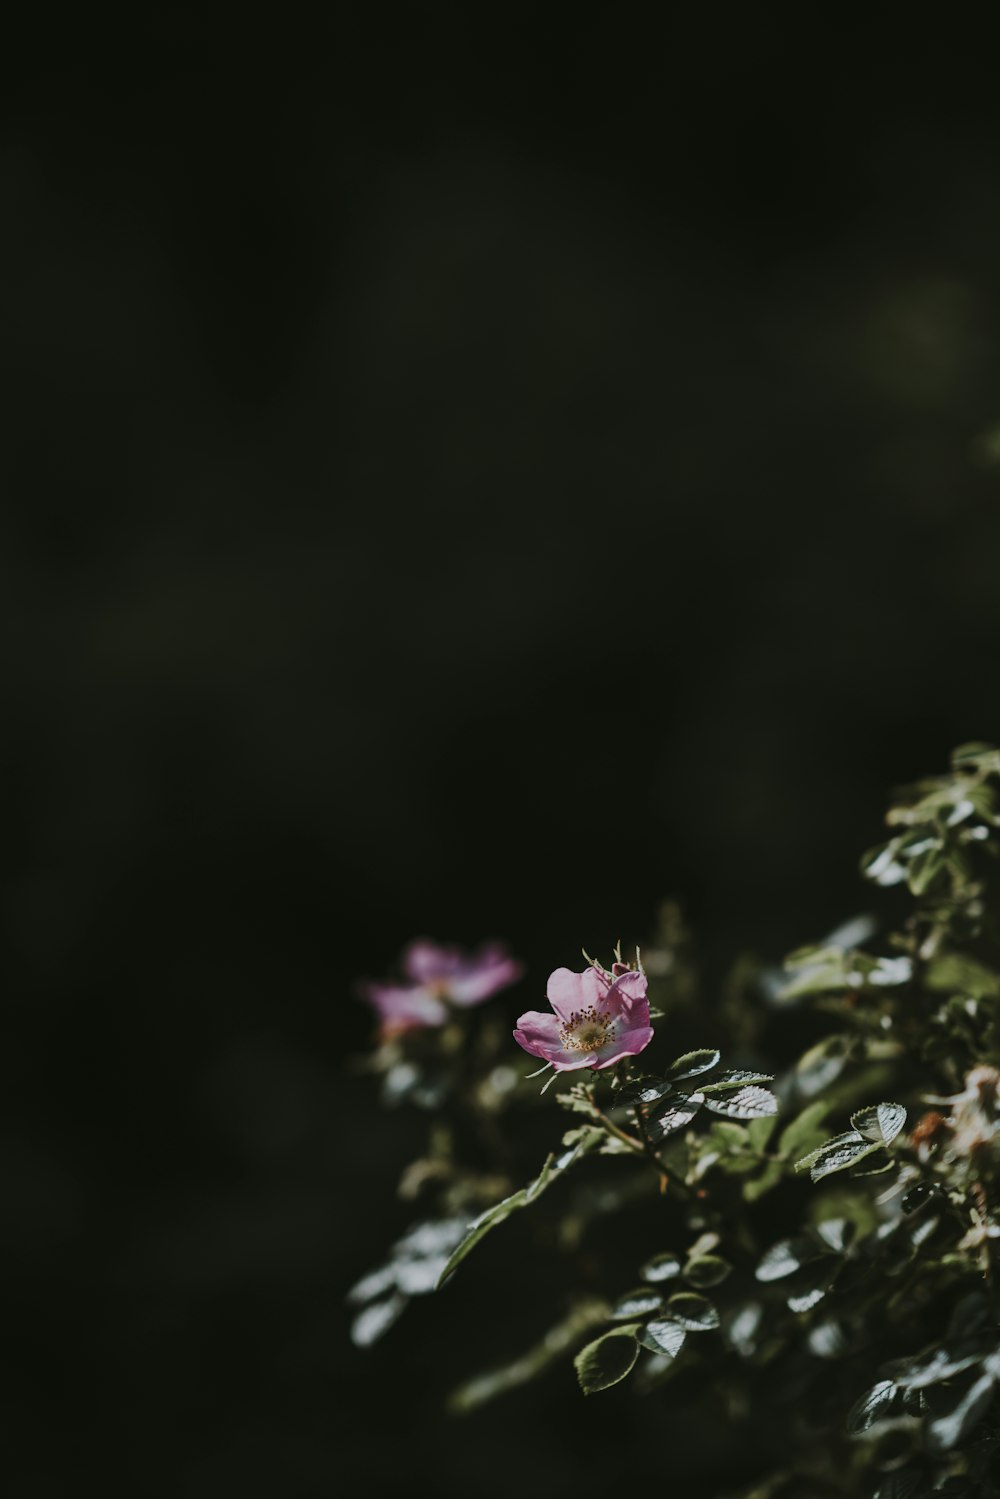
694,1312
640,1303
840,1158
692,1063
707,1270
608,1359
663,1336
880,1122
849,1137
870,1407
735,1078
745,1103
679,1111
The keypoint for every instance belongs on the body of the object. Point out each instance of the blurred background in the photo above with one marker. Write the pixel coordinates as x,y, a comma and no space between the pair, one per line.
466,476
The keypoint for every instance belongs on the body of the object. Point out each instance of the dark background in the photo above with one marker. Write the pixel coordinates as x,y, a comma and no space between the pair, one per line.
468,476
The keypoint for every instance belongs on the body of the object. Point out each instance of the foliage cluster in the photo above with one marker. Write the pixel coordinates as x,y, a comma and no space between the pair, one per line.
821,1231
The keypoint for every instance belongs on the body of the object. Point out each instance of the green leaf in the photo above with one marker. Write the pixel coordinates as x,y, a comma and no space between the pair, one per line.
692,1063
769,1177
746,1103
735,1078
759,1130
664,1336
977,756
661,1267
954,973
694,1312
811,1285
870,1407
801,1132
946,1431
646,1090
589,1139
840,1157
608,1359
882,864
640,1303
707,1270
681,1109
849,1137
923,870
787,1256
880,1122
822,1064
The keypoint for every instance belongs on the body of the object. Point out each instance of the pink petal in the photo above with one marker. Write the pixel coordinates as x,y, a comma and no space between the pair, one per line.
405,1007
538,1034
427,963
482,976
567,991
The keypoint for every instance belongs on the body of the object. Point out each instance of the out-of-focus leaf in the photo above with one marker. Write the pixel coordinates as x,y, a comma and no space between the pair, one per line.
694,1312
745,1103
922,871
800,1135
874,1405
946,1431
664,1336
787,1256
822,1064
640,1303
903,1484
707,1270
882,864
760,1130
880,1122
608,1359
976,756
810,1285
769,1178
955,973
836,1233
661,1267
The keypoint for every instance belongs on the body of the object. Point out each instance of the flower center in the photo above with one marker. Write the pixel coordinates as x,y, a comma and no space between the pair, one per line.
587,1030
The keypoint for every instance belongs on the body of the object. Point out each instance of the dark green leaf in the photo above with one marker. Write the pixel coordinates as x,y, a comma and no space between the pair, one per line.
976,756
679,1111
664,1336
607,1360
735,1078
849,1137
810,1285
639,1303
646,1090
880,1122
707,1270
787,1256
836,1233
694,1312
946,1431
903,1484
746,1103
661,1267
872,1406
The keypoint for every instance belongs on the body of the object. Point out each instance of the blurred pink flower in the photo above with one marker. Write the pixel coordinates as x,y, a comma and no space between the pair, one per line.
597,1018
440,977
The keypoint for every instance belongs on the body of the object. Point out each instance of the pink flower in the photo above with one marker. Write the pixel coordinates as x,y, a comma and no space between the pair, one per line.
437,978
598,1018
